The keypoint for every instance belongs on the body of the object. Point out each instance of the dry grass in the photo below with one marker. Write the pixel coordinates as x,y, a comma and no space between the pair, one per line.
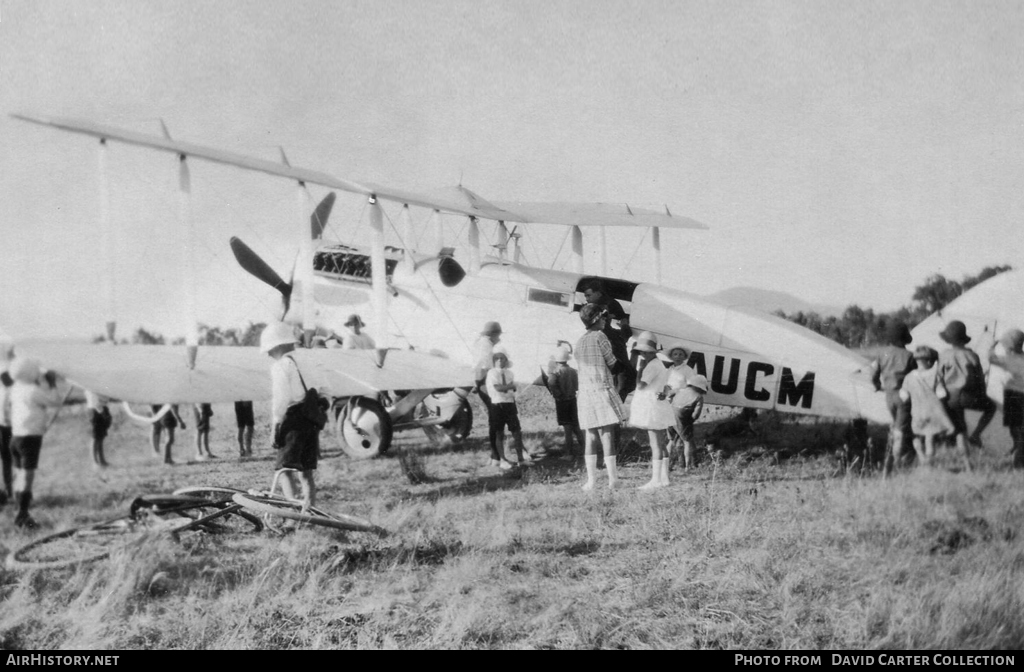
760,547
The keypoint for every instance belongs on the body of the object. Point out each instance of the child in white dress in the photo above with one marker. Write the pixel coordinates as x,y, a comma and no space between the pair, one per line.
925,392
650,408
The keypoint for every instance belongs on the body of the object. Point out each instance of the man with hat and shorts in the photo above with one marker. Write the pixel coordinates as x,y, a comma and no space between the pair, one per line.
889,368
356,340
598,405
960,373
296,438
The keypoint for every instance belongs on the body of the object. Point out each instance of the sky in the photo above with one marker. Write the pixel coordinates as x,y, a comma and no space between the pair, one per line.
840,152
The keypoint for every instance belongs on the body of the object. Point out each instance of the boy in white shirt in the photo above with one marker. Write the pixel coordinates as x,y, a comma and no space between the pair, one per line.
29,403
296,439
501,388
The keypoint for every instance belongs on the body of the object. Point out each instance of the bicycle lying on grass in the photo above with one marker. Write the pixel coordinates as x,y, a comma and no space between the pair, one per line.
170,514
210,509
271,504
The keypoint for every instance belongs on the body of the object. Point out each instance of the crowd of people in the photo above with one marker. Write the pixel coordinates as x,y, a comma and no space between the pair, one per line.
927,393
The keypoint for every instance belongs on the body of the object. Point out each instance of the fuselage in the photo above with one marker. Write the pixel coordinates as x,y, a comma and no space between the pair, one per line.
751,359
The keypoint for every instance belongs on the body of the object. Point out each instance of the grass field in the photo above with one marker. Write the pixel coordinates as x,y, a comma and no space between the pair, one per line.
769,543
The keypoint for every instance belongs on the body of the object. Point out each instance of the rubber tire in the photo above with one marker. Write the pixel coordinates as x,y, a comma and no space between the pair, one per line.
214,493
457,429
284,508
354,450
119,528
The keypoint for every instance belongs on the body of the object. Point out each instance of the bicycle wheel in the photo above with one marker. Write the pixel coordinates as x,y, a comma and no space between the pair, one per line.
284,508
206,514
212,492
75,546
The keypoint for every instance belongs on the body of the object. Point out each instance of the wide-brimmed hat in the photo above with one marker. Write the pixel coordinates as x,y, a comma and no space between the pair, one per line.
646,342
354,319
590,314
897,333
925,352
955,333
669,347
275,334
698,381
561,354
499,351
490,329
1013,340
24,369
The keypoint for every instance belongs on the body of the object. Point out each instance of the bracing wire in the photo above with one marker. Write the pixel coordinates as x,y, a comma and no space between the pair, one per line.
639,243
568,230
430,286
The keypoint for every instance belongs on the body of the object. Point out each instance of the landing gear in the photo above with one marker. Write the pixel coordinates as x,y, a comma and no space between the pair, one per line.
452,431
362,426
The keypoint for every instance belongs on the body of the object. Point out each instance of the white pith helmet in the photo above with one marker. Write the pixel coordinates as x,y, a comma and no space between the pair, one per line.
275,334
25,370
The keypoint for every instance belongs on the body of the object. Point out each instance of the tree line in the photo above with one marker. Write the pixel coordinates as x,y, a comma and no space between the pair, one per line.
248,335
863,328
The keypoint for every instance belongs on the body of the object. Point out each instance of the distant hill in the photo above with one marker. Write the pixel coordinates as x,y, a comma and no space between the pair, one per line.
769,301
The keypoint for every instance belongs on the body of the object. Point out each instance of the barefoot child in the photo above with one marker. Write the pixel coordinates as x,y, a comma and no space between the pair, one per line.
1013,389
246,421
501,388
100,421
925,392
650,408
202,414
564,383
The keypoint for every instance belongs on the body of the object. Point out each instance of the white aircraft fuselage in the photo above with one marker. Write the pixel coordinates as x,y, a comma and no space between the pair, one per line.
750,358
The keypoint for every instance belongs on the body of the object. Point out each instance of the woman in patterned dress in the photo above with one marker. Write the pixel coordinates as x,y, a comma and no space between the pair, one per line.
597,403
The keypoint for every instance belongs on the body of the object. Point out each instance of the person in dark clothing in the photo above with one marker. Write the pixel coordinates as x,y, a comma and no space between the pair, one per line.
889,368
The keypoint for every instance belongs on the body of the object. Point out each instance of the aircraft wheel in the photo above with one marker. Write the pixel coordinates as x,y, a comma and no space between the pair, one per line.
457,429
363,427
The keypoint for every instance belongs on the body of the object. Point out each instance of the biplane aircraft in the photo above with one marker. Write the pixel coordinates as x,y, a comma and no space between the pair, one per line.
435,303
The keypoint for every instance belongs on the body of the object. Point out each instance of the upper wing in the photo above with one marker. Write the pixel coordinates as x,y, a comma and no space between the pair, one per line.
157,374
457,200
597,214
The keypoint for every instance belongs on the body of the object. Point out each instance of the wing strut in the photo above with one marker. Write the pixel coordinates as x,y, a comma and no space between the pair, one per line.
656,246
474,245
378,272
191,265
577,250
305,264
502,240
407,259
107,236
